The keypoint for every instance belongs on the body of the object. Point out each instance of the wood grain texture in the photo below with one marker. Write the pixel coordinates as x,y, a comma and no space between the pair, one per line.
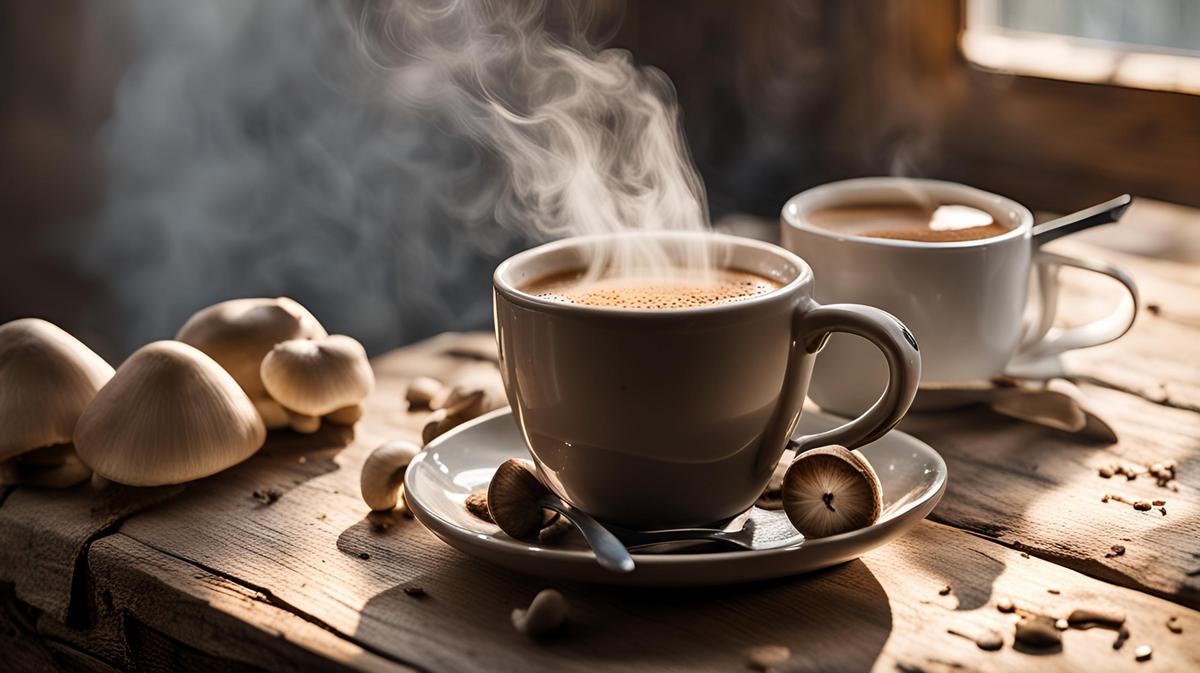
319,552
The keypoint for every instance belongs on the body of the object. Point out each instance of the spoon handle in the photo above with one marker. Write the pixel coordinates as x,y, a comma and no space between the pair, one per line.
1103,213
610,553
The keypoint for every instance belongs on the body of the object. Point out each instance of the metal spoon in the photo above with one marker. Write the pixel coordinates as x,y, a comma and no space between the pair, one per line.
1104,213
754,530
610,553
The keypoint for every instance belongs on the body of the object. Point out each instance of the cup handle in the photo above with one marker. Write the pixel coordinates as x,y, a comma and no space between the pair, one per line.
899,347
1044,339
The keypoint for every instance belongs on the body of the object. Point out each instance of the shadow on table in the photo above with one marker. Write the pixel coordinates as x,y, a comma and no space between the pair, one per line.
836,619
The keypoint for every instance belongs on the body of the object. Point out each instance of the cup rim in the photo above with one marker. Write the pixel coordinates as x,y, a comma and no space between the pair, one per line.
503,284
792,212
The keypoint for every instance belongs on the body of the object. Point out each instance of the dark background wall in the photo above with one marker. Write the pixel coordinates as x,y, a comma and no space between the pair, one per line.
115,140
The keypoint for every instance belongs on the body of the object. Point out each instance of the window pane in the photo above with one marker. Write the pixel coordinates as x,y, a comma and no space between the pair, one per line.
1133,24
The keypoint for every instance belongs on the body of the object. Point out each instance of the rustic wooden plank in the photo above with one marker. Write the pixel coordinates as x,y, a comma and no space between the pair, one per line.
317,551
45,532
229,622
1041,490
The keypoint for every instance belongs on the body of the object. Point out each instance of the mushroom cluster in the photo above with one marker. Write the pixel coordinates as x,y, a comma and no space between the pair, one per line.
47,379
239,334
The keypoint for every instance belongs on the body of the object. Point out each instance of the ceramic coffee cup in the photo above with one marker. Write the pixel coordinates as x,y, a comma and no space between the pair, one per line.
966,301
655,418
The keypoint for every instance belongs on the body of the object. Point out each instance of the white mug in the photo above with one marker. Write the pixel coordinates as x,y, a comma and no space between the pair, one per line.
965,301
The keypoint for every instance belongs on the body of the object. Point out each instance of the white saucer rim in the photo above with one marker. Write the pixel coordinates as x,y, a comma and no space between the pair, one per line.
895,518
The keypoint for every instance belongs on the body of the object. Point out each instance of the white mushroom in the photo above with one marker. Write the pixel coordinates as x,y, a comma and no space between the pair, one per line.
169,415
316,377
421,392
47,378
830,490
382,477
547,612
239,333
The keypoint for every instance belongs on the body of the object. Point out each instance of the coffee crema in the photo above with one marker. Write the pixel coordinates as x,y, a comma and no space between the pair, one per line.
943,224
726,286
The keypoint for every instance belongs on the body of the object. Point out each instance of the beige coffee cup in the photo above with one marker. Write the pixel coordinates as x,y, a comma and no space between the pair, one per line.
677,417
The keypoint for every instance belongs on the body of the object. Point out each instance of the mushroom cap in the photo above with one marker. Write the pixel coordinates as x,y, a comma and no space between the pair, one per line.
512,499
830,490
169,415
47,377
318,376
239,333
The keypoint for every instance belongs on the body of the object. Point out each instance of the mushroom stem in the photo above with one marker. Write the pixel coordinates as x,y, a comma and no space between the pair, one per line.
303,423
346,415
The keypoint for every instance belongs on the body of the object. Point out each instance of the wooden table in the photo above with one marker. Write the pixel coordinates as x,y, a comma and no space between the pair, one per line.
207,577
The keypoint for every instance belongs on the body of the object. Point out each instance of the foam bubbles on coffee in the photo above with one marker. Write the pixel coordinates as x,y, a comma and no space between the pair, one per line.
725,287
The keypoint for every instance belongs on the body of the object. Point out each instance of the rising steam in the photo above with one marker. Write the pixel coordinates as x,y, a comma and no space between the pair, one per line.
590,142
372,161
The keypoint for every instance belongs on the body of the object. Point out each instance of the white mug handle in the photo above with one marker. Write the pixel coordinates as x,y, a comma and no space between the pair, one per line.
1045,339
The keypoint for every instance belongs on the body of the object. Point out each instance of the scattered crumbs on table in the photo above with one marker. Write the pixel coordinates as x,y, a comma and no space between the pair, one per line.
944,590
1122,636
1024,555
1143,653
1037,632
1173,625
1153,309
267,496
989,640
302,460
1115,551
766,657
1053,590
364,556
415,592
1005,604
1062,624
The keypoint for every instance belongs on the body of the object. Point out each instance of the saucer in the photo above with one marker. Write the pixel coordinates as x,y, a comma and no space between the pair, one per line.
438,480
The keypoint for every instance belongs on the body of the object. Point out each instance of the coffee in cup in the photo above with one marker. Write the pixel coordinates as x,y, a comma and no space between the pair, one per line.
663,290
944,223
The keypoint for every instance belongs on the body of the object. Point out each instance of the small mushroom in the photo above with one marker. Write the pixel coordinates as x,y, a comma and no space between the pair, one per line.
471,396
512,499
169,415
462,402
239,333
547,612
829,490
47,378
382,477
316,377
421,392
